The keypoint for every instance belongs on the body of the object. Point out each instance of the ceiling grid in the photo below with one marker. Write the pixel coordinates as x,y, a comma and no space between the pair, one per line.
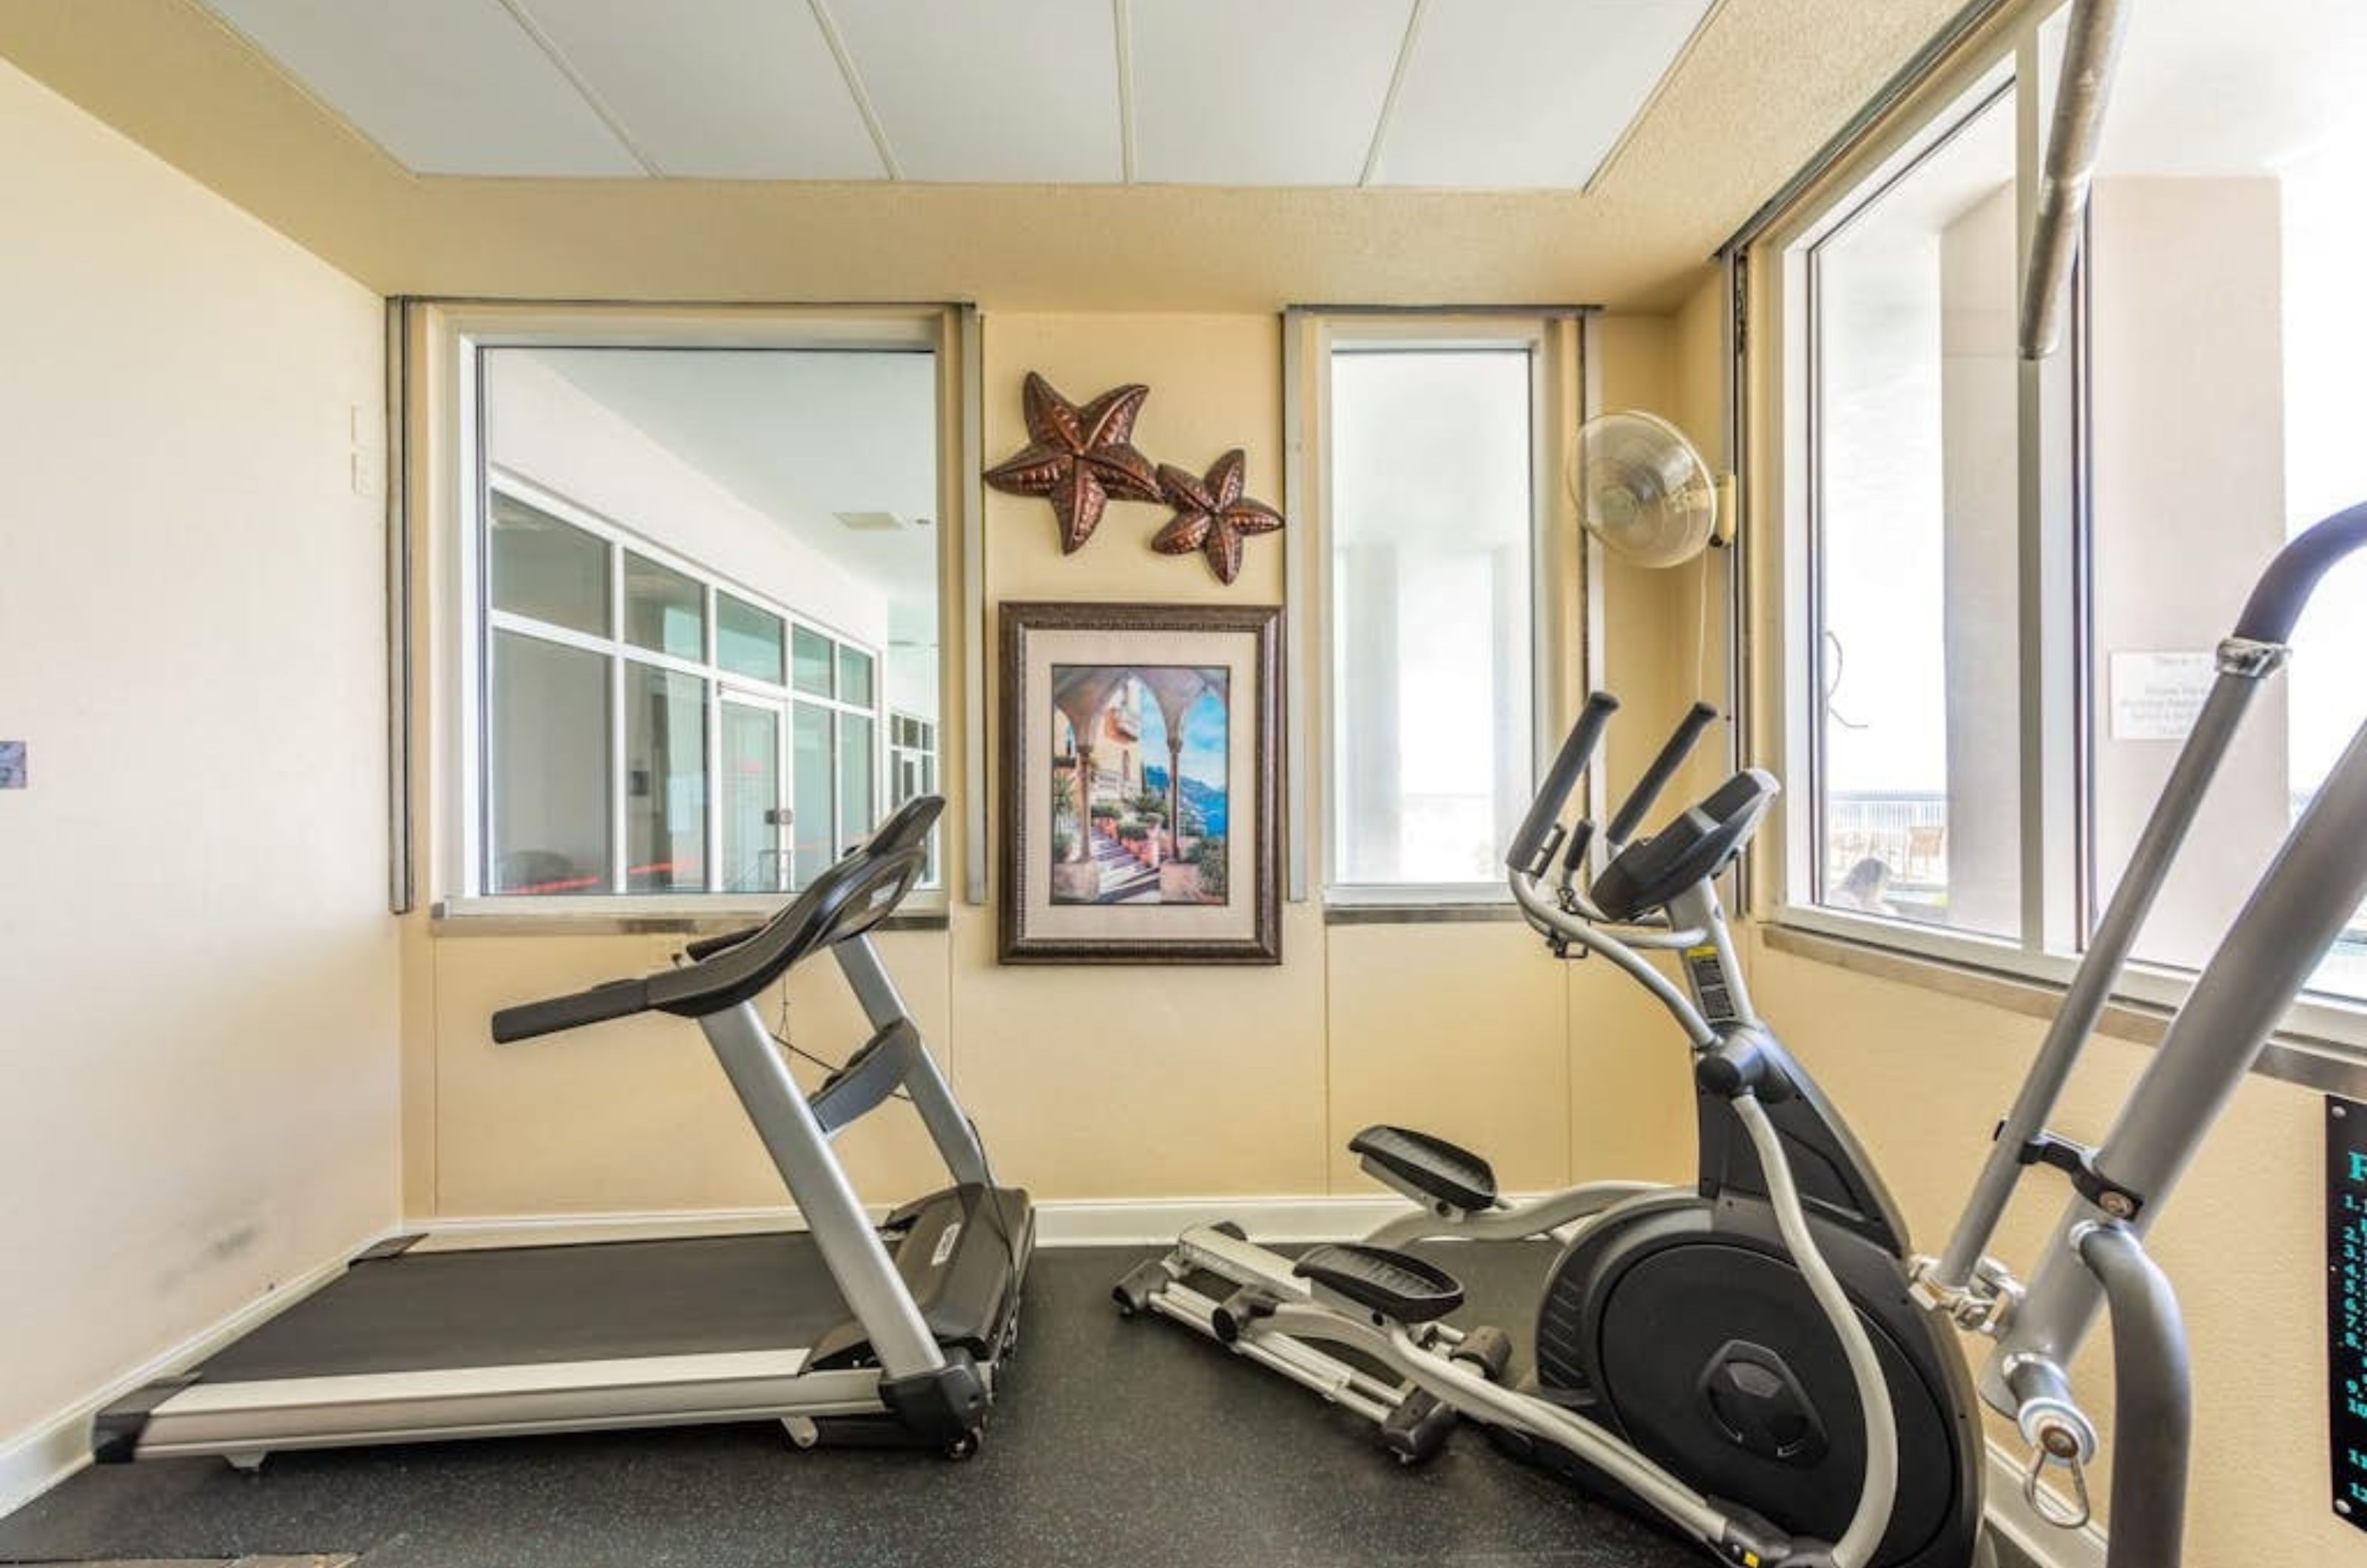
1449,95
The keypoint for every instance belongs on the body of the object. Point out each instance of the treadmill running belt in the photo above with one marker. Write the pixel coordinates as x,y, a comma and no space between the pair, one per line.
528,1304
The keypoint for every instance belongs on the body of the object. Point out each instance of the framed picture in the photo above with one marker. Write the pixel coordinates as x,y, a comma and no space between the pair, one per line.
1141,747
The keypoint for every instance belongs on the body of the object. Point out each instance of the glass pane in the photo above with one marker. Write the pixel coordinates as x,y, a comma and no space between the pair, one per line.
754,859
1432,509
547,569
854,677
2226,408
546,767
664,611
853,432
858,811
665,781
747,640
810,662
1916,409
812,774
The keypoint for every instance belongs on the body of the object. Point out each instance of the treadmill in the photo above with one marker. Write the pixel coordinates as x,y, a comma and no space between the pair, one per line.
840,1330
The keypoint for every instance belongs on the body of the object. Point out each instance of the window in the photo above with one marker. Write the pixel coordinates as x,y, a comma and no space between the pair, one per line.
1432,475
1917,755
1982,559
686,568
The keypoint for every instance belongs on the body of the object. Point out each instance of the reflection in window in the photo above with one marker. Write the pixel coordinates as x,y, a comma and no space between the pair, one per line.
688,657
1915,409
665,781
548,796
855,761
747,640
756,857
813,770
810,662
547,569
664,611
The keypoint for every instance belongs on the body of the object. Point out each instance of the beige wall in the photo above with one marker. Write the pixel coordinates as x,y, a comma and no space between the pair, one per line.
1092,1082
200,973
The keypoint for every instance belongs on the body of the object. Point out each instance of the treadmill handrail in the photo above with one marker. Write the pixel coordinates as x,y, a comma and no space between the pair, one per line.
843,903
908,825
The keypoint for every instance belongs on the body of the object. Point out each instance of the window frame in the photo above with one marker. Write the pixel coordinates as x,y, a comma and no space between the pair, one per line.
2055,603
439,620
1559,650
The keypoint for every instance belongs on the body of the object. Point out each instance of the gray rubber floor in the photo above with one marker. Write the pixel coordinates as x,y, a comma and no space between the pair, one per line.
1116,1444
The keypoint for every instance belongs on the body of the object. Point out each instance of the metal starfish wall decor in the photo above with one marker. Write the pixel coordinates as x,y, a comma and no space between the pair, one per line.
1080,458
1212,515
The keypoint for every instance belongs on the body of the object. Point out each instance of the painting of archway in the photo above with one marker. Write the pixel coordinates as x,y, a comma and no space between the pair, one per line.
1140,771
1140,797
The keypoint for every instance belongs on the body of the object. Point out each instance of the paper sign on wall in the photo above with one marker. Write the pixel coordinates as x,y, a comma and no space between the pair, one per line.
12,764
2157,696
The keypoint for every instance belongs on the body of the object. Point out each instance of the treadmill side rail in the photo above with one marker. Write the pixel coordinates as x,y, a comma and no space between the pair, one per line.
568,1397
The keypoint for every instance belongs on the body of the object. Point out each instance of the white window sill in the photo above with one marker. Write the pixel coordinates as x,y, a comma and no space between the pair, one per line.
1419,903
2322,1046
660,916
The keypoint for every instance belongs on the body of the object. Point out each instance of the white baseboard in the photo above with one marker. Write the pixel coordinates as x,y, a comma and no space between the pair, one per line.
57,1448
2012,1518
1059,1221
1154,1222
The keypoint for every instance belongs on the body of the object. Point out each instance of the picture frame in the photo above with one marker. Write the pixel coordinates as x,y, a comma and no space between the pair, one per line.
1140,783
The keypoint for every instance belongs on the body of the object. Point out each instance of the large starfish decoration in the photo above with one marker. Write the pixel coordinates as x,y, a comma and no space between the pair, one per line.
1079,457
1212,515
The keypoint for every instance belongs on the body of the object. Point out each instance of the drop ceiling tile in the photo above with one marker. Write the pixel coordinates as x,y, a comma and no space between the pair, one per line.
447,87
718,89
1527,94
1019,91
1248,92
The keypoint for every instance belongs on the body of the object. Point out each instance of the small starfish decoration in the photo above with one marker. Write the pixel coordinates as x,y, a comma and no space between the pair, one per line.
1081,459
1212,515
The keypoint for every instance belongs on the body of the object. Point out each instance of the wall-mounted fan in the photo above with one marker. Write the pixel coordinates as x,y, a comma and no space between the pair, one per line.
1643,489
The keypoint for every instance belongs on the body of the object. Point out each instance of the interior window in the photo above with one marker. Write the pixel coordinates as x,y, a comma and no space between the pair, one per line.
695,564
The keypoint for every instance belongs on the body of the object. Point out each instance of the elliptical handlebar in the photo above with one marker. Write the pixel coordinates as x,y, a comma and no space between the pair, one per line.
1673,752
1534,842
2285,589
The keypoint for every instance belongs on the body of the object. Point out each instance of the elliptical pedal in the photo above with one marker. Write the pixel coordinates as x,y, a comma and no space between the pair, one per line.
1395,1284
1426,1168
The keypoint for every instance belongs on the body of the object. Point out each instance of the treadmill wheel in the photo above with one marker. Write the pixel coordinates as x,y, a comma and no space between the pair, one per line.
962,1448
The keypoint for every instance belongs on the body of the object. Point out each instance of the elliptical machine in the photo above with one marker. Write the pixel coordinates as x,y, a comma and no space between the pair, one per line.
1728,1453
1743,1357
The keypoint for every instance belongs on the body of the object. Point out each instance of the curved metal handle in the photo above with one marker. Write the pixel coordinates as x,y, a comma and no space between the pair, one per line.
1576,750
1700,717
2284,590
